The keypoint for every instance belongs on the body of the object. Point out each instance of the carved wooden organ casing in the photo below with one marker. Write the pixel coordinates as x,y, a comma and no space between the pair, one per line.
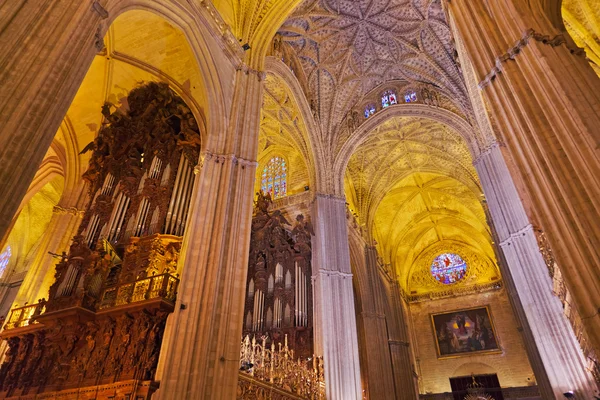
106,311
279,290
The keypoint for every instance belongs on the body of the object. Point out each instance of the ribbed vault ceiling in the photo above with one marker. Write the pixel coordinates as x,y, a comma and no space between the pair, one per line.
348,47
413,185
283,133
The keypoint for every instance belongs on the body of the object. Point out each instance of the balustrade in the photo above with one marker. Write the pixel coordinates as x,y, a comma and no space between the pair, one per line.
159,286
22,316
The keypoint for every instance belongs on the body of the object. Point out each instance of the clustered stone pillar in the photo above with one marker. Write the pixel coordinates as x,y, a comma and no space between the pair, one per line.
376,368
47,48
545,101
557,358
334,314
390,373
400,351
200,353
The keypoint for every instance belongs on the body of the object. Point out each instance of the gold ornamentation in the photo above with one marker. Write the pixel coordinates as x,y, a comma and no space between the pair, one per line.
68,210
277,366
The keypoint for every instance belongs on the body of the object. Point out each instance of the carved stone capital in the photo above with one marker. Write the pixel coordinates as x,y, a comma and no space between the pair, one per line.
68,210
333,197
486,151
222,158
261,75
512,53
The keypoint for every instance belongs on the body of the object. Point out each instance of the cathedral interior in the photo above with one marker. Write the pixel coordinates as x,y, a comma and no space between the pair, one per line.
300,199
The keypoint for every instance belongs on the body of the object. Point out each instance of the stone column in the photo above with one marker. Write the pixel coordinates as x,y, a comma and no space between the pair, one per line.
334,314
545,101
399,344
47,46
200,353
557,358
376,367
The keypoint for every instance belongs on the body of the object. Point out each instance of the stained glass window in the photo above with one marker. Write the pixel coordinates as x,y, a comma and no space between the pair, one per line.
448,268
274,178
410,97
369,110
388,98
4,259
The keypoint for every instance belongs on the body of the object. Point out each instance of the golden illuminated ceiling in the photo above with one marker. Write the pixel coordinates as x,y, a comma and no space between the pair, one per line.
283,133
347,48
582,20
255,22
413,185
140,47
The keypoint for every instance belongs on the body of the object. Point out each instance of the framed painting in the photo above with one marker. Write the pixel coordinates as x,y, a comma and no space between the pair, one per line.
464,332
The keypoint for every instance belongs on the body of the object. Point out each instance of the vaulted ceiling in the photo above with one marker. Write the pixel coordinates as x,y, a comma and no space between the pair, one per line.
582,20
347,48
413,185
283,133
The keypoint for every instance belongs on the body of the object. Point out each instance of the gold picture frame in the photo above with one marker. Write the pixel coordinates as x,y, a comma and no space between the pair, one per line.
465,332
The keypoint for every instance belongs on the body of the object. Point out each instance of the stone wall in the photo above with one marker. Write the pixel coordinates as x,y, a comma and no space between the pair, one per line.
512,365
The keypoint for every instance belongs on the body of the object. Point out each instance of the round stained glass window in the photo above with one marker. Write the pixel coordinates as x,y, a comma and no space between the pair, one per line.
448,268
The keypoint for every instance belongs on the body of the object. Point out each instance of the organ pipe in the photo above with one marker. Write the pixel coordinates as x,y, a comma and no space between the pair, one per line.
118,217
178,191
180,199
174,196
258,312
189,173
187,199
141,217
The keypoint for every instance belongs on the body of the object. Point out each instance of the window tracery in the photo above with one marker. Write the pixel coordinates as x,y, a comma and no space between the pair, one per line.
274,178
448,268
369,110
388,98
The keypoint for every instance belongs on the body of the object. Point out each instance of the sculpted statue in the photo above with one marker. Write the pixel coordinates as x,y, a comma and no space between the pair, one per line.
301,234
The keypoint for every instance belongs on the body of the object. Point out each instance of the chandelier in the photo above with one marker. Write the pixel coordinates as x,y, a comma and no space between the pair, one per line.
476,391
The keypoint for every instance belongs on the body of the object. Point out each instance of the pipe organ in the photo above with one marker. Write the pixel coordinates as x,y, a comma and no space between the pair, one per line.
100,330
278,290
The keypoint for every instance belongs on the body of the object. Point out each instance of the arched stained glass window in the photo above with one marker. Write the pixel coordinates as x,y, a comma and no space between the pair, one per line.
4,259
448,268
388,98
369,110
410,97
274,178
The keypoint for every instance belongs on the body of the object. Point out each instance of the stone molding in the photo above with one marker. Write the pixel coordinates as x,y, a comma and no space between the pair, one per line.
366,314
98,9
398,343
229,41
512,53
